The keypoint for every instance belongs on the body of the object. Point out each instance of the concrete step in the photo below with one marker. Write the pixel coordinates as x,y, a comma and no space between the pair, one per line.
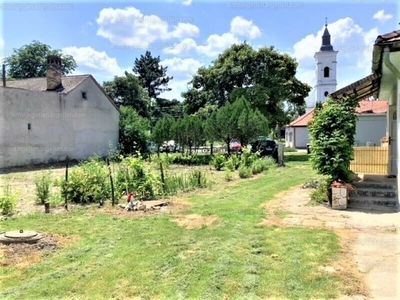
375,185
373,192
374,204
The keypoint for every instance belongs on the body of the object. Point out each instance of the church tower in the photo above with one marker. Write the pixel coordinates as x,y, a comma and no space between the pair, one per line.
325,70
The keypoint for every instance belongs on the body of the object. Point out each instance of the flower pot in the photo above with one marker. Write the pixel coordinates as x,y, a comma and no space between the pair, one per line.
340,195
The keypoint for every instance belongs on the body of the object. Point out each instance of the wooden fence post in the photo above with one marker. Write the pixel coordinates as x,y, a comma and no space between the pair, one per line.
111,182
66,180
162,176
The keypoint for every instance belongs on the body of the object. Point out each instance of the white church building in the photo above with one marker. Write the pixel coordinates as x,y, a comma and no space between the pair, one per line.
371,124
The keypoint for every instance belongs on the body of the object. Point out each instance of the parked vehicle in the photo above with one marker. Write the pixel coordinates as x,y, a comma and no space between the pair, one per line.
266,147
152,146
235,146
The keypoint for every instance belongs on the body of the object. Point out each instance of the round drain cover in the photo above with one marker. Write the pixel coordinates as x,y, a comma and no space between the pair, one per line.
20,234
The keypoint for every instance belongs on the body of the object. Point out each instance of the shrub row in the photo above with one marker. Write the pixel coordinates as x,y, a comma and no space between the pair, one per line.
89,181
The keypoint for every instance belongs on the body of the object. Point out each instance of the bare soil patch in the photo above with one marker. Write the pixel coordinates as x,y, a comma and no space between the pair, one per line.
175,204
23,255
195,221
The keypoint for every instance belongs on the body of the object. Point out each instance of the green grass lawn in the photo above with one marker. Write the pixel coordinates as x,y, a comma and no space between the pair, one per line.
154,258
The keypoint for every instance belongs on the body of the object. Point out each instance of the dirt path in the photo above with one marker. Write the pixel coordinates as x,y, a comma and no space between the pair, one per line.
370,241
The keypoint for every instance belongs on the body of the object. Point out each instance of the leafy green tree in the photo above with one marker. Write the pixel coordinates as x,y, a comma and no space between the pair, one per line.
248,123
332,131
189,132
221,125
152,76
163,131
30,61
164,107
265,77
134,131
127,91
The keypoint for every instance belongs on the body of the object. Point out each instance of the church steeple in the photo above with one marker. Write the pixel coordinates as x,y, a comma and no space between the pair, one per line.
326,39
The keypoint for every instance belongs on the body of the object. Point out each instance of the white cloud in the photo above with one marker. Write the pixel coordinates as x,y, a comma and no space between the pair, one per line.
87,57
365,59
380,16
216,43
1,42
341,31
187,66
186,45
187,2
130,27
243,27
177,86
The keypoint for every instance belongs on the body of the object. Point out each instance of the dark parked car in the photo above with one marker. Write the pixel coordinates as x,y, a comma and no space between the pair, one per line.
266,147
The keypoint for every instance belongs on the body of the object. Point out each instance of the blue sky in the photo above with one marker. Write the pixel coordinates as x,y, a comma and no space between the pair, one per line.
105,37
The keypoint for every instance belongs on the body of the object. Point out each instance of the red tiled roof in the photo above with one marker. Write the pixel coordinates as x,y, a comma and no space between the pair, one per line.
372,107
303,120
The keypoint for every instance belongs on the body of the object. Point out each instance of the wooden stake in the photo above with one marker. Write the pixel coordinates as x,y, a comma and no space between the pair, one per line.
111,181
66,180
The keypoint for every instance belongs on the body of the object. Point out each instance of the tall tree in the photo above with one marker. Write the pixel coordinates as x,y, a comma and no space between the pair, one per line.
189,132
29,61
152,76
126,91
264,76
163,131
134,131
221,125
163,107
248,123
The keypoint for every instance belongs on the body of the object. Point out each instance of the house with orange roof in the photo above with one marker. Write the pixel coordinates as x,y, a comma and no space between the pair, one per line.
370,129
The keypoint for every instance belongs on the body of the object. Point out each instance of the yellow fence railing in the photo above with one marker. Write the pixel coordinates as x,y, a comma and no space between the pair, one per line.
370,160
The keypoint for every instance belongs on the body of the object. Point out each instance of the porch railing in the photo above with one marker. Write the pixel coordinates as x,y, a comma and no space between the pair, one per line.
370,160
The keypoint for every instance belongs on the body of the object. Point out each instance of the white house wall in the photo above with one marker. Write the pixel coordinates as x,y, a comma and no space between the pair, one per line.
61,125
289,137
301,137
370,128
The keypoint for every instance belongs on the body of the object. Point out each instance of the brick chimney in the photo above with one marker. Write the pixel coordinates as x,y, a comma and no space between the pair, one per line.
54,72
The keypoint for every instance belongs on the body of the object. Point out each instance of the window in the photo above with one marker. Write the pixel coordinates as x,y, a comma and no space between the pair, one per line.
84,96
29,126
326,93
326,72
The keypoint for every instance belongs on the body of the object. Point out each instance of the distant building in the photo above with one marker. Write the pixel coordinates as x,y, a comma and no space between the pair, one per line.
371,125
45,119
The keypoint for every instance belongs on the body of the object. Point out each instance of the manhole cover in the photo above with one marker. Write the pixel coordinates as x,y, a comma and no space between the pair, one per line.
20,236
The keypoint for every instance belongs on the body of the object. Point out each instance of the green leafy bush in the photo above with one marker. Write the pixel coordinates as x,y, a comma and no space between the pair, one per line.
88,182
7,200
43,186
198,179
245,172
131,176
228,175
219,161
233,162
247,158
320,194
192,160
332,131
257,167
175,183
268,163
